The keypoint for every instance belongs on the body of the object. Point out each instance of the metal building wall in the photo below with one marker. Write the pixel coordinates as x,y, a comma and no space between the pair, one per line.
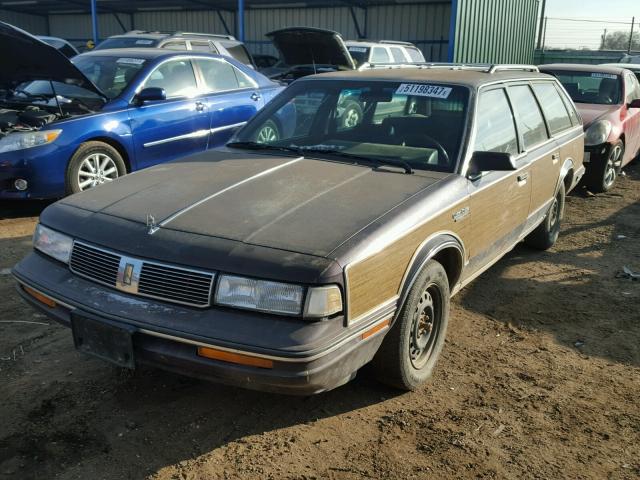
77,28
495,31
35,24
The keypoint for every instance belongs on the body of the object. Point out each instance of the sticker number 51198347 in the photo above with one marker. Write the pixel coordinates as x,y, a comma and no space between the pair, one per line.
423,90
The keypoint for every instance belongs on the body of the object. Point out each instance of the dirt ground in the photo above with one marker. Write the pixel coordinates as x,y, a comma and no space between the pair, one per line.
540,378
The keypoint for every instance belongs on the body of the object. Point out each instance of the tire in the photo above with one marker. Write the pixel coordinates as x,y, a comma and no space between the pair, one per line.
352,115
105,160
601,177
398,363
269,132
546,234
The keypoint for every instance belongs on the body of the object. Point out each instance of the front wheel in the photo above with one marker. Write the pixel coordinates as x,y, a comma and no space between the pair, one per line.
546,234
601,177
93,164
268,133
411,349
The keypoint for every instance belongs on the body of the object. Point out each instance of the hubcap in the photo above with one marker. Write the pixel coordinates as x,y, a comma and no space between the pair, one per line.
267,134
425,326
612,165
554,213
96,169
351,118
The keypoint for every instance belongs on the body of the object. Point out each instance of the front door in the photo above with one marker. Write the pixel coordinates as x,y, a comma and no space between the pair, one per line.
173,128
232,98
631,118
498,200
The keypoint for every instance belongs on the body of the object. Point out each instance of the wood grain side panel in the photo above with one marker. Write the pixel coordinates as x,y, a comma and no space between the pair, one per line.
378,278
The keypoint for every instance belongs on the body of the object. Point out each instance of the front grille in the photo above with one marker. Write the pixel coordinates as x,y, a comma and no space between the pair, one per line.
95,264
149,279
175,284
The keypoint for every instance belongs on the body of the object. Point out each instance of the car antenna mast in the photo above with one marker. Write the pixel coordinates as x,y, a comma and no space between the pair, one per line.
55,95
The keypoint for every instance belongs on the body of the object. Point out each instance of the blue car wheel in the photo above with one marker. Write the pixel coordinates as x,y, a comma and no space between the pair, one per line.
93,164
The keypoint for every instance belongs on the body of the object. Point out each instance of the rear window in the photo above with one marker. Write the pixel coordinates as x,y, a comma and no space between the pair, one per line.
591,87
239,52
529,118
127,42
415,54
398,56
553,107
380,55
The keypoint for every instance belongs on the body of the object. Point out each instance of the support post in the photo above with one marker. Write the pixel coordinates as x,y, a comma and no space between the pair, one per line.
541,22
451,50
94,21
241,20
223,22
544,33
633,21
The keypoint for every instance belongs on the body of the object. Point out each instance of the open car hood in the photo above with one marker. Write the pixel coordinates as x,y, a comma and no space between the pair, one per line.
311,46
24,58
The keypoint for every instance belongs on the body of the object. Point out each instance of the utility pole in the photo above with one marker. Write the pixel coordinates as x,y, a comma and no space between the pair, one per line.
544,32
541,23
604,39
633,21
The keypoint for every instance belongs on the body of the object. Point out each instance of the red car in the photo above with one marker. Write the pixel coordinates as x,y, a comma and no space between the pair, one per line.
608,98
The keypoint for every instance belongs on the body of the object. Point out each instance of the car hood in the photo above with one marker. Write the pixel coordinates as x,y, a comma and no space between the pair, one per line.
301,205
25,57
311,46
591,112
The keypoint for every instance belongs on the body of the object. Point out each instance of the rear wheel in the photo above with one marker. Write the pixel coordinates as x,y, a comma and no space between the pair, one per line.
352,115
93,164
411,349
268,133
546,234
601,177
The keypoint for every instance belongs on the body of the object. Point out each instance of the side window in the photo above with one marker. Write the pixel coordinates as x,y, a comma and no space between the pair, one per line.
529,117
415,54
553,107
203,47
398,56
631,88
176,77
175,46
379,55
239,52
218,75
244,80
495,128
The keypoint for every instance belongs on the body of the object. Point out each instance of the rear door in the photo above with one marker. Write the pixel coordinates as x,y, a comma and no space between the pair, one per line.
178,126
232,97
499,200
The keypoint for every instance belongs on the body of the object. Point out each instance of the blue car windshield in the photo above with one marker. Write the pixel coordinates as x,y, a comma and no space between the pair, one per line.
110,74
420,125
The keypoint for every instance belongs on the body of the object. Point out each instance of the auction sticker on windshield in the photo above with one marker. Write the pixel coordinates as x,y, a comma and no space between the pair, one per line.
131,61
423,90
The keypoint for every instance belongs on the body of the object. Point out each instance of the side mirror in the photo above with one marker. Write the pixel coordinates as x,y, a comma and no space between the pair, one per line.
634,103
490,161
150,94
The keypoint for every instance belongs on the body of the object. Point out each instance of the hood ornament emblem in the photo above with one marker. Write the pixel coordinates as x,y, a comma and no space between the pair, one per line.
152,227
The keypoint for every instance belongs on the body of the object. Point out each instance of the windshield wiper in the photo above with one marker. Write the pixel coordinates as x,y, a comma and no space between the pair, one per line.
263,146
380,161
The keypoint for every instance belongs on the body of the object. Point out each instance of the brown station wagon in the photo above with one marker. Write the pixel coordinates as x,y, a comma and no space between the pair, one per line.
288,263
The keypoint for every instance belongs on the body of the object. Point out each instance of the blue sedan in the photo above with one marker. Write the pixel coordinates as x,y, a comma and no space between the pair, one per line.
72,127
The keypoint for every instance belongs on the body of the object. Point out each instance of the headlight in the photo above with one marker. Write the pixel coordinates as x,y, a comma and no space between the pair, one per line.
597,133
52,243
259,295
23,140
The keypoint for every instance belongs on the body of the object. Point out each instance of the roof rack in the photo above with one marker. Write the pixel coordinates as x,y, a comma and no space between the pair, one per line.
216,35
396,42
512,67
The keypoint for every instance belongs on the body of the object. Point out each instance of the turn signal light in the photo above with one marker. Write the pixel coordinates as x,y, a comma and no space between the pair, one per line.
40,297
376,329
234,357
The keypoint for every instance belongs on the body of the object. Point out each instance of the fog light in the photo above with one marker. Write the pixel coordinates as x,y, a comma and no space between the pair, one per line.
21,184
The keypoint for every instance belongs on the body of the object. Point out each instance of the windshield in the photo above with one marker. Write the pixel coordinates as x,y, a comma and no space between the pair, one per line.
110,74
127,42
417,125
41,92
591,87
360,55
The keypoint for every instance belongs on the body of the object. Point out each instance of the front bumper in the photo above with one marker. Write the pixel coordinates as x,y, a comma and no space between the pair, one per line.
43,168
306,358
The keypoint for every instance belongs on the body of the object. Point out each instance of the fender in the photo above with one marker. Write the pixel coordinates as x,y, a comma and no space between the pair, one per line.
566,167
425,252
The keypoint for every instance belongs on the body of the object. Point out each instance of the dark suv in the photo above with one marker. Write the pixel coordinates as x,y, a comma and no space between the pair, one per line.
201,42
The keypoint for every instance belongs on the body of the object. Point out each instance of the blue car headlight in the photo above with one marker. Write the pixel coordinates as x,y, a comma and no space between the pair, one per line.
23,140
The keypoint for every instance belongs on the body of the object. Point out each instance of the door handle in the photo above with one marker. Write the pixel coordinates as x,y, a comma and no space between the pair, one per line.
200,106
523,177
255,97
555,157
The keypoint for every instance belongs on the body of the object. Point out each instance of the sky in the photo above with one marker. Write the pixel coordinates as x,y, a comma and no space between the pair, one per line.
581,23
